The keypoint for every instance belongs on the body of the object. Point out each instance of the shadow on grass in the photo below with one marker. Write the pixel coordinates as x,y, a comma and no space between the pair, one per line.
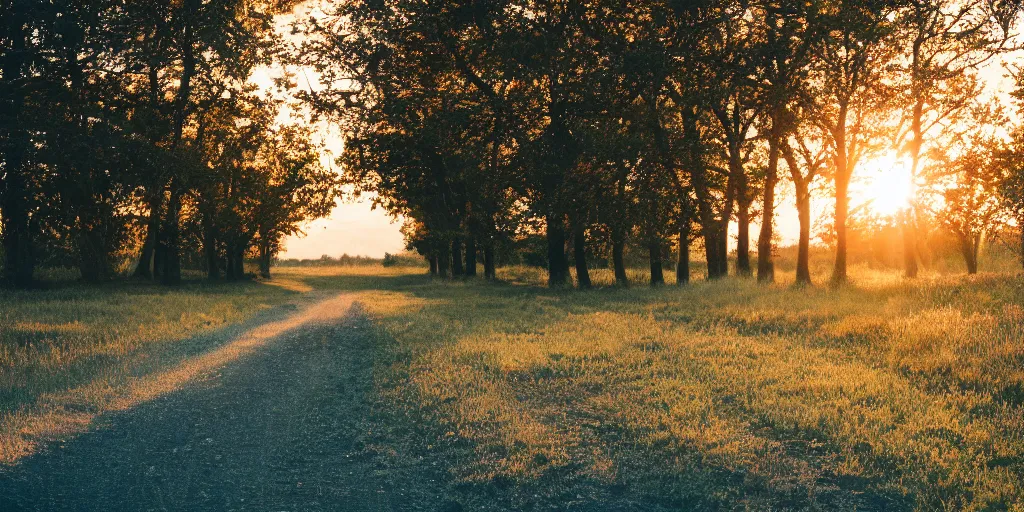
651,477
611,462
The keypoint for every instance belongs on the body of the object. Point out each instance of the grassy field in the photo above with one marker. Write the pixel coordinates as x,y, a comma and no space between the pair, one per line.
884,395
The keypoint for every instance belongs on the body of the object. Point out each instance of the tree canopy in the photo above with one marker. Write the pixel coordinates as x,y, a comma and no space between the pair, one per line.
132,137
597,124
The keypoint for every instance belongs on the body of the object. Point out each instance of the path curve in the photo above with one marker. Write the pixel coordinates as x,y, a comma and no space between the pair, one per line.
280,427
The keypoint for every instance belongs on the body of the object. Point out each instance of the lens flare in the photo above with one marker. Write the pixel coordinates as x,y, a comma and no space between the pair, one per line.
885,186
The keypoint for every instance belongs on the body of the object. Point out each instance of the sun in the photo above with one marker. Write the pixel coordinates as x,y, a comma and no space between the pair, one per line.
884,186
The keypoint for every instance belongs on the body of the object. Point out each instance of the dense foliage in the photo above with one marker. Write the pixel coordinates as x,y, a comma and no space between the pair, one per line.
602,123
133,138
130,133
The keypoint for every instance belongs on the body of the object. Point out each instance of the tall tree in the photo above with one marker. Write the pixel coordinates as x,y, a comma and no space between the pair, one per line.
21,20
806,152
970,208
293,188
852,54
945,42
782,62
193,51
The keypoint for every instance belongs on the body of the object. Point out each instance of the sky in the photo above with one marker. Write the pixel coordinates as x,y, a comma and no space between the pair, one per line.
355,228
351,229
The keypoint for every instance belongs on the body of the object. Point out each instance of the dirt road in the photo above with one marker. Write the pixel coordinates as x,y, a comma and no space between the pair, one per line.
280,428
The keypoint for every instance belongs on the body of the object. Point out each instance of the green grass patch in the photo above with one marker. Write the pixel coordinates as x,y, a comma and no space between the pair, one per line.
883,395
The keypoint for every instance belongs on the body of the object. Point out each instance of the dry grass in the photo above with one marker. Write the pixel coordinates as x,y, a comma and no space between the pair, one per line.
887,395
71,352
882,395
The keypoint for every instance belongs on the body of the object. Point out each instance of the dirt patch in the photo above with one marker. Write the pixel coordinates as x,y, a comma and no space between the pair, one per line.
281,428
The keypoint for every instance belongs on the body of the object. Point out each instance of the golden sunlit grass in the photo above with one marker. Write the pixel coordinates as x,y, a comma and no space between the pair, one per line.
69,353
73,352
725,394
883,395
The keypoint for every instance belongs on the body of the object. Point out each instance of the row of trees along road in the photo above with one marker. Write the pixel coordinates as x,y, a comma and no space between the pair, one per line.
600,122
129,131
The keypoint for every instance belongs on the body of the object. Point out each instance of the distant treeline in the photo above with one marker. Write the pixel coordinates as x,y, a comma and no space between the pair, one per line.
389,260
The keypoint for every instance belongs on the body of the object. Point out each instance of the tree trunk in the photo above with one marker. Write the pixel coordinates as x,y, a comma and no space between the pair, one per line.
240,261
146,260
979,244
683,256
557,262
210,245
229,263
618,259
236,262
432,260
842,208
471,256
159,252
969,250
265,260
457,268
579,246
803,208
711,251
657,273
743,236
93,257
765,263
489,268
444,260
172,257
909,245
722,252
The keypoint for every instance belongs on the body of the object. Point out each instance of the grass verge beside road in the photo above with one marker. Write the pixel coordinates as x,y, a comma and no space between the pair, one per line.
883,395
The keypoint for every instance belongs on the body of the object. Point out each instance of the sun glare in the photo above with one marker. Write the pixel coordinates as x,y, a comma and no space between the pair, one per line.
885,186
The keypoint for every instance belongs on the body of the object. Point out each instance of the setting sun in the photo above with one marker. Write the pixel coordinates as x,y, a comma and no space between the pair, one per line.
885,187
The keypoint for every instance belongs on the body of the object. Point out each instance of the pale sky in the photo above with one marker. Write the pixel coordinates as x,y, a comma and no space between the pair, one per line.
352,228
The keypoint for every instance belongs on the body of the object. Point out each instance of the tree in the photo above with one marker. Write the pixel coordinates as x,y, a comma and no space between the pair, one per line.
971,208
22,19
735,101
782,62
807,154
848,95
293,188
945,43
192,52
676,45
